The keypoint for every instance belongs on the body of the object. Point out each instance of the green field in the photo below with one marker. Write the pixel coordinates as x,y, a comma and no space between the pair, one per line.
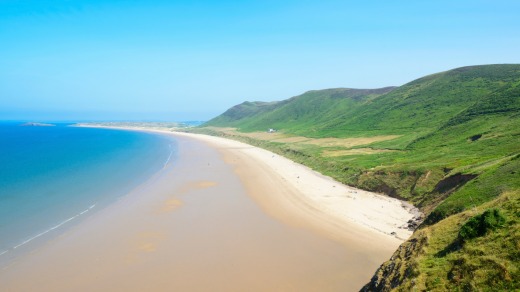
448,143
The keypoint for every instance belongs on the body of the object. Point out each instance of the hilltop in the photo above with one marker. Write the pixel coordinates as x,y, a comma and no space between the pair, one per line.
447,142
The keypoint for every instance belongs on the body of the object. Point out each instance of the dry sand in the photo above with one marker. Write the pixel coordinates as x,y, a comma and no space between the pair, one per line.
302,190
193,227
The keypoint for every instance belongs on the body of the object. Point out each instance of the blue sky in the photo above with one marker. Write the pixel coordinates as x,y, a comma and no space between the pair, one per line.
191,60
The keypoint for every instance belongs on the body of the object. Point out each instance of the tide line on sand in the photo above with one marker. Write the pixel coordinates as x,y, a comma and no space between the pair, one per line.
52,228
169,156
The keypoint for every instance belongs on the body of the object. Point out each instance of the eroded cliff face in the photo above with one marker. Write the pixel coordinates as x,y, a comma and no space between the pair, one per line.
401,266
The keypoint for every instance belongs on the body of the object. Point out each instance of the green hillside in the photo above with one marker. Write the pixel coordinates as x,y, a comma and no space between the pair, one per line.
244,111
449,143
419,106
302,114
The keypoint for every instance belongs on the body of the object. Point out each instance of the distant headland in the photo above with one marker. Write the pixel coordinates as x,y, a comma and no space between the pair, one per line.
32,124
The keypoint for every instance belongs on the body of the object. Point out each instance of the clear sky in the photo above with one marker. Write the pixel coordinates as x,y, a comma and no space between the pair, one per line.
191,60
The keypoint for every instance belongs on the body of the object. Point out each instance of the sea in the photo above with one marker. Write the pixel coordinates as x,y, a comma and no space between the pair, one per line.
52,177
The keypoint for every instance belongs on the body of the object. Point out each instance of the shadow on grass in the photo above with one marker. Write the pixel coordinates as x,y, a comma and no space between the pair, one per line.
452,247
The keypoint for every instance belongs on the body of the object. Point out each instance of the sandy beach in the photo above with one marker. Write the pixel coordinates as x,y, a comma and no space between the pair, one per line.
224,216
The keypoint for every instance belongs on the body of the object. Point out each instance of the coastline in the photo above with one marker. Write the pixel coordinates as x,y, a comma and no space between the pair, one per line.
309,197
315,198
62,180
283,189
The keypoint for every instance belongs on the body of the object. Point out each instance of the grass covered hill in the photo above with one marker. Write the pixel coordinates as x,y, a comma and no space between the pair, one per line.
301,114
449,143
421,105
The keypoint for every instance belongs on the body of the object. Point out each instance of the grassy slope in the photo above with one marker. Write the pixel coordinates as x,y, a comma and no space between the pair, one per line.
298,115
458,149
435,115
242,112
436,259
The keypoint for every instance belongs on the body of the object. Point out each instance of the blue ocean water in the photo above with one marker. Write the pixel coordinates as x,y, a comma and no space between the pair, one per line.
53,176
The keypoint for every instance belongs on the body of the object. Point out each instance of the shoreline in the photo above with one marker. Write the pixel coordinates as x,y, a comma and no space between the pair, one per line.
69,219
226,208
324,203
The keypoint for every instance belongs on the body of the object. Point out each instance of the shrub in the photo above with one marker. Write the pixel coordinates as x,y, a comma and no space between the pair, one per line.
479,225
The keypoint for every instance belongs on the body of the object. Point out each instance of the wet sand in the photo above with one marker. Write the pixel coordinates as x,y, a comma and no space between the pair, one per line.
216,219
